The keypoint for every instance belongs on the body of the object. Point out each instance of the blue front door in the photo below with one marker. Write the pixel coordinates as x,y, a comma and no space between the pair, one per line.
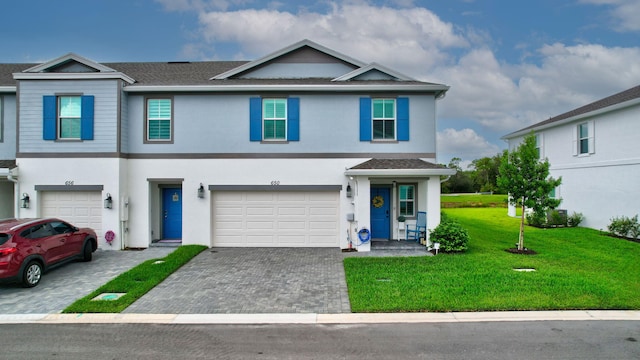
380,221
172,213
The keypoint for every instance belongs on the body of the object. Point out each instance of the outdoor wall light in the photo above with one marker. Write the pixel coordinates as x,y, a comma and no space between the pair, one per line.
201,191
25,201
349,192
108,202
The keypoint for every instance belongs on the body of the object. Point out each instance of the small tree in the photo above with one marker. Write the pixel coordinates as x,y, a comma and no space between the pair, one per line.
526,178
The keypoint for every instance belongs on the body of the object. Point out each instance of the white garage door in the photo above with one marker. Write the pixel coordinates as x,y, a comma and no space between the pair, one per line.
275,219
80,208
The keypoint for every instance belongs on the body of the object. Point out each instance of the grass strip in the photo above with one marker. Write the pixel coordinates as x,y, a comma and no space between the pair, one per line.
576,268
135,282
473,200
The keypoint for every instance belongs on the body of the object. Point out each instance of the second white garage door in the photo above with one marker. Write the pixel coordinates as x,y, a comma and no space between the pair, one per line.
275,219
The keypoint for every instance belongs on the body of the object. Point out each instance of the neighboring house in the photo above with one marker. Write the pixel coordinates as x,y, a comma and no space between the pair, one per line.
285,151
593,148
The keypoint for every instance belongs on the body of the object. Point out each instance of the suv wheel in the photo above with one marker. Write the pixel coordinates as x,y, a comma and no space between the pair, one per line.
87,251
32,274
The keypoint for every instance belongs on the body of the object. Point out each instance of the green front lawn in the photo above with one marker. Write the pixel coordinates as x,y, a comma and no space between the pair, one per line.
576,268
472,200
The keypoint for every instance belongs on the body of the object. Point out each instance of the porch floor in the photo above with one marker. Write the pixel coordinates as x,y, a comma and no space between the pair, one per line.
382,244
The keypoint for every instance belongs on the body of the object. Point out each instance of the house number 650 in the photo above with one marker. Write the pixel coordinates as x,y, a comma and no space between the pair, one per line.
275,182
68,182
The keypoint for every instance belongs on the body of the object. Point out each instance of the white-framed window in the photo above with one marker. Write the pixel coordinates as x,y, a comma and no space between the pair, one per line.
69,117
384,119
539,145
159,120
583,139
407,200
274,119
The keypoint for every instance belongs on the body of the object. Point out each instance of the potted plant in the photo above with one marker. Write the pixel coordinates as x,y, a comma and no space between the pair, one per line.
401,219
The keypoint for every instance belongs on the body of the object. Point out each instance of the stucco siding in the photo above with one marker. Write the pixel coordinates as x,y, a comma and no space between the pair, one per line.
105,115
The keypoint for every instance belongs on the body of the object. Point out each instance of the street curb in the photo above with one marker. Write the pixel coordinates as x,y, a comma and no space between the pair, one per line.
351,318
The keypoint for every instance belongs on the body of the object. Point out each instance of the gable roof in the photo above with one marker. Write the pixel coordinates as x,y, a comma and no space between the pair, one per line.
370,68
287,50
610,103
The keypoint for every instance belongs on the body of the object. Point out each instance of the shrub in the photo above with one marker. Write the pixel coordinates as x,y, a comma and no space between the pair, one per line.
536,219
451,236
625,227
557,218
575,219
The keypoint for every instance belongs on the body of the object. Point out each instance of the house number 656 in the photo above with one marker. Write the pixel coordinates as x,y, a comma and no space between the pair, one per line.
68,182
275,182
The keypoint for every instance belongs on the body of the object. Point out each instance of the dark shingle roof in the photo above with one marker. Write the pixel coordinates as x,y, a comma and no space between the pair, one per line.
189,73
396,164
630,94
7,164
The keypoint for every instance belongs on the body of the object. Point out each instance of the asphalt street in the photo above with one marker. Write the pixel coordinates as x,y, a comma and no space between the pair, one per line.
494,340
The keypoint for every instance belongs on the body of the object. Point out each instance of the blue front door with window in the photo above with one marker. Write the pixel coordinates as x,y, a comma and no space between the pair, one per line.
172,213
380,220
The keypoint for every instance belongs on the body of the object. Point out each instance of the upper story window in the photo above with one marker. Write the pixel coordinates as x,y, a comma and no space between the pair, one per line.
67,117
384,119
159,121
407,200
539,147
583,139
274,119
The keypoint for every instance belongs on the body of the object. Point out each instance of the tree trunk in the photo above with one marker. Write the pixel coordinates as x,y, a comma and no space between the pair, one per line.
521,237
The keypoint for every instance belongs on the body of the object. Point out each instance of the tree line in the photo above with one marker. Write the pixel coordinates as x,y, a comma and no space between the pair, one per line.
480,176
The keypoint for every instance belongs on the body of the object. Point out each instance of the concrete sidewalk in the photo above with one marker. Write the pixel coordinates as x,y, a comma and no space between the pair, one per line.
311,319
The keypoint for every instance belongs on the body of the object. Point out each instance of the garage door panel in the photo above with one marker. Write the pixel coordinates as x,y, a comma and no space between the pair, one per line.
275,219
81,208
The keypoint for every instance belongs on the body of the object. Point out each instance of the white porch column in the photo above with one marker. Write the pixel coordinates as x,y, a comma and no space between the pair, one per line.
362,211
433,203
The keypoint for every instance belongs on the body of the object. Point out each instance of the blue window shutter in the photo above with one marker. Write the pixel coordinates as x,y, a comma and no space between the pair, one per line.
403,118
293,119
255,121
86,127
49,117
365,119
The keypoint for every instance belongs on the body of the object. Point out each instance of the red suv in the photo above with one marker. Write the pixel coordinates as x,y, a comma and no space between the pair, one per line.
29,247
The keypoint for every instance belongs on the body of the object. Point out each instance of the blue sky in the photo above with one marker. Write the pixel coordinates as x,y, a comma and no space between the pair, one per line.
510,63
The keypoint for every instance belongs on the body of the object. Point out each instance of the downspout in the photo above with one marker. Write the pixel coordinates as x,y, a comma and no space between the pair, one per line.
16,192
445,179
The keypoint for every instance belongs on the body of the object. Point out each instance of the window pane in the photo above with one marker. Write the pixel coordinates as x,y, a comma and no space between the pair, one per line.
70,106
268,109
389,109
70,128
389,129
378,109
159,130
159,108
281,109
378,129
280,129
269,129
584,146
584,131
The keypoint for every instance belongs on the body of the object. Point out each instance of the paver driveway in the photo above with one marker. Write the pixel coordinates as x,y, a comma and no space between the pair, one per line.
62,286
253,280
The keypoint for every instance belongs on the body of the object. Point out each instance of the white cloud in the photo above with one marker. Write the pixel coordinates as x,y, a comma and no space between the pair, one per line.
465,144
625,13
412,40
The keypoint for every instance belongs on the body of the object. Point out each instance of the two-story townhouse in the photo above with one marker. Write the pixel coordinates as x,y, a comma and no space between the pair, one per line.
285,151
593,149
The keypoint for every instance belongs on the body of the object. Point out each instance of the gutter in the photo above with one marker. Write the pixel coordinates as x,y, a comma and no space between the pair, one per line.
437,89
